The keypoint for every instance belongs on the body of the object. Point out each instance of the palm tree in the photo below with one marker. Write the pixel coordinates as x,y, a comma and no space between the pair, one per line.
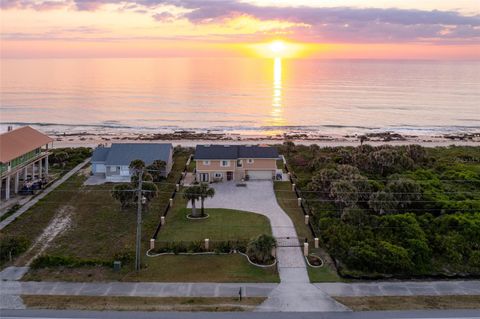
156,169
204,193
192,194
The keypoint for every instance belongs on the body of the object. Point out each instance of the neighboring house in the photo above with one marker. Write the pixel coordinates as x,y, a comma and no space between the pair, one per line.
235,162
23,156
113,162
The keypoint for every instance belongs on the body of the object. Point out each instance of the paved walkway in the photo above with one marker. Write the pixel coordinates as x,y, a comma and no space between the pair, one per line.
402,288
47,191
185,289
140,289
295,293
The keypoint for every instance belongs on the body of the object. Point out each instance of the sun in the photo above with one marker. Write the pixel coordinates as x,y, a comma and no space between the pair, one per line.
278,46
278,49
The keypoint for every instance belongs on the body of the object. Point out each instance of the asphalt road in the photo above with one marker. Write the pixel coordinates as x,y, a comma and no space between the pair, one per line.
73,314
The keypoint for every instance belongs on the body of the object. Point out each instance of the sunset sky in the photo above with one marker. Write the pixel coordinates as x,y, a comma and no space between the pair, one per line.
383,29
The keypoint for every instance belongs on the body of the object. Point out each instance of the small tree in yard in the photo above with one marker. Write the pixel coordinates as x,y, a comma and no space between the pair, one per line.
204,192
126,194
156,169
260,248
192,194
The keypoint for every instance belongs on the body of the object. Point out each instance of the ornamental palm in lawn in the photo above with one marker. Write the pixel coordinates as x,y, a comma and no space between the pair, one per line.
259,249
192,194
205,192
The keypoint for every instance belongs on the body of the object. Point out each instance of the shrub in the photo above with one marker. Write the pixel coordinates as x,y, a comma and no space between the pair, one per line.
260,248
125,257
474,260
10,247
196,247
45,261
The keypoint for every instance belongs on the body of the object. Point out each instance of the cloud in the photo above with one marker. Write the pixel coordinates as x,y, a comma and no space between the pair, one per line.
34,5
338,24
164,17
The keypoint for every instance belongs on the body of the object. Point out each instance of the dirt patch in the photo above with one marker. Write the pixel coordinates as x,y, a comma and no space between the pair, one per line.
59,224
141,303
85,171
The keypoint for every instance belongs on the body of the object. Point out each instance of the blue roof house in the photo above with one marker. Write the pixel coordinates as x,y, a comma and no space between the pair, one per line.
112,162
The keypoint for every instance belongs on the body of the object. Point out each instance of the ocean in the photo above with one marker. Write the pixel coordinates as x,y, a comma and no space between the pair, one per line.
241,96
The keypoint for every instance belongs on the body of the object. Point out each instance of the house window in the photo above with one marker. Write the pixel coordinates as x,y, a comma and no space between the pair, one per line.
225,163
218,175
239,163
206,162
250,161
112,168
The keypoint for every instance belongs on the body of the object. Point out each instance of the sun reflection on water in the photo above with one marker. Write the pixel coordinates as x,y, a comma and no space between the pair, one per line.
277,112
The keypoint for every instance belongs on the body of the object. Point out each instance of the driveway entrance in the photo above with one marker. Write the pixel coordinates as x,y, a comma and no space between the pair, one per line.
295,293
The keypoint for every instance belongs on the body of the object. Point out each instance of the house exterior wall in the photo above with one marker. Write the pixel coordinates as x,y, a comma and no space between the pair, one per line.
259,164
117,173
168,167
215,165
98,168
21,160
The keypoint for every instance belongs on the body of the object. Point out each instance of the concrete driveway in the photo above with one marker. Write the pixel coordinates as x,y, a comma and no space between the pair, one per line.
259,197
295,293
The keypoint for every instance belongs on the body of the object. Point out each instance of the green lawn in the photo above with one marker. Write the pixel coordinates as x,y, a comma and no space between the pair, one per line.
288,201
222,224
170,268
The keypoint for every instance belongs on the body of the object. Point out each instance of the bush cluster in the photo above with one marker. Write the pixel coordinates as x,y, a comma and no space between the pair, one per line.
69,157
10,247
224,246
404,211
46,261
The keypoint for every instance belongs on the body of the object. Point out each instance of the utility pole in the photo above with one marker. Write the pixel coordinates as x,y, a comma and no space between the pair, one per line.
138,249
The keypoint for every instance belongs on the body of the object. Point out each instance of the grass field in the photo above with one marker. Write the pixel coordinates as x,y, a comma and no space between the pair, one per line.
222,224
288,201
410,302
98,229
140,303
170,268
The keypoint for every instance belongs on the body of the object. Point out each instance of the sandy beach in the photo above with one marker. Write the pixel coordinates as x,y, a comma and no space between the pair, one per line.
189,139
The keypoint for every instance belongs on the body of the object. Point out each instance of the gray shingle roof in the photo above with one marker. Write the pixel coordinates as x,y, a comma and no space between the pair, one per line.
100,154
124,153
234,151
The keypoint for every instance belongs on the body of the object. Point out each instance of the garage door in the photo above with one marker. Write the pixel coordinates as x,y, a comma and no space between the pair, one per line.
260,174
98,168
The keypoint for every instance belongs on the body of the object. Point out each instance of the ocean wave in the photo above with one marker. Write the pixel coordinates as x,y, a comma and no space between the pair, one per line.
116,126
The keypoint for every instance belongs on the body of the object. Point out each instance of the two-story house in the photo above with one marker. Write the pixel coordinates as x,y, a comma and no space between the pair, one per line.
23,155
235,162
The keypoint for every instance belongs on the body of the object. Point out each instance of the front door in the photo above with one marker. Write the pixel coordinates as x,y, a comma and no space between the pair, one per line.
203,177
229,176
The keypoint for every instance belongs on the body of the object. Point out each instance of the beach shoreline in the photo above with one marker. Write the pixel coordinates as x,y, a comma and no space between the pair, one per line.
191,138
